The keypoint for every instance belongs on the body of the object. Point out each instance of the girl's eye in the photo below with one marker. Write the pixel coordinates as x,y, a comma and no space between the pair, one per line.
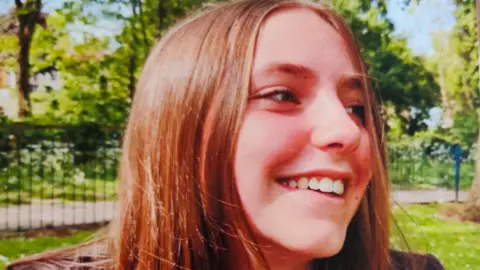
358,111
282,95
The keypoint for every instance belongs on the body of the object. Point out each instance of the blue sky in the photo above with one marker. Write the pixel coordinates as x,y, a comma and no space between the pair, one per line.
417,24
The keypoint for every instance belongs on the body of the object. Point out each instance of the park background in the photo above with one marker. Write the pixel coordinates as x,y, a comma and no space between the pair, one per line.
68,70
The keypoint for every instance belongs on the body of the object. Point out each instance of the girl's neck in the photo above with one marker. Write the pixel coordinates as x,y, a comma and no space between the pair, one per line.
277,258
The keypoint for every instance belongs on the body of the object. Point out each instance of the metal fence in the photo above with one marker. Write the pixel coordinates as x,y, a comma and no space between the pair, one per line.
52,176
434,166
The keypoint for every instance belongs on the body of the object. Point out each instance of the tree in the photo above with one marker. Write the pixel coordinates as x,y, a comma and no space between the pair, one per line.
98,79
28,15
401,79
468,23
457,63
89,80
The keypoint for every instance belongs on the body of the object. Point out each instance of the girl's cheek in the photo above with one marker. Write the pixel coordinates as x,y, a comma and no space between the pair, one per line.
362,159
272,138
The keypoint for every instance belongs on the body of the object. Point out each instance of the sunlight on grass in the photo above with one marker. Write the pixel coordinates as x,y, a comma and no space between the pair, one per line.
11,249
454,243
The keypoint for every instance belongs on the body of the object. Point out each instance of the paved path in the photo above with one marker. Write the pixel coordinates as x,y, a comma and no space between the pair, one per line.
43,214
427,196
47,214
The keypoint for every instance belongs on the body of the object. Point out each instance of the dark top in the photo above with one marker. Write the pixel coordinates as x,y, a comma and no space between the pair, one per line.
399,261
413,261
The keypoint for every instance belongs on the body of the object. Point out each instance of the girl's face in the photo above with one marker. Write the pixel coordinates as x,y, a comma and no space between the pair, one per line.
303,159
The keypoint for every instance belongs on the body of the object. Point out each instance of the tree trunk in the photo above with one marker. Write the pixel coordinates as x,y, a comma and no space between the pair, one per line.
146,42
27,15
132,61
447,108
472,206
161,14
23,77
131,75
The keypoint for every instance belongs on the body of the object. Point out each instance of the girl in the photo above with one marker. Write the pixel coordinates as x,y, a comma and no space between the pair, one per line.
254,142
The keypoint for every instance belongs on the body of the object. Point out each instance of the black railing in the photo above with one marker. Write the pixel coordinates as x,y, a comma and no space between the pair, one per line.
54,176
57,175
429,167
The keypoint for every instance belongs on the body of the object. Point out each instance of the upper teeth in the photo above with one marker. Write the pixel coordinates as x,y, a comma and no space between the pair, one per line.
325,184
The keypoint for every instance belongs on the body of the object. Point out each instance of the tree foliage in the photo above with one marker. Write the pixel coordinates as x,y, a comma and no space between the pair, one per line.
400,77
99,73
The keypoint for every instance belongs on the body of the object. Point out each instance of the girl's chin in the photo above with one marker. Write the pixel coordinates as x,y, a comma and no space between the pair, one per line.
311,245
322,248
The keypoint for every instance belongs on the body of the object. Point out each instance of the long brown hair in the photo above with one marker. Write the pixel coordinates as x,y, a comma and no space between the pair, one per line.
178,203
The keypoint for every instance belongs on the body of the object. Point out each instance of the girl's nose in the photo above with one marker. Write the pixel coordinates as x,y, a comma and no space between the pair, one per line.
333,128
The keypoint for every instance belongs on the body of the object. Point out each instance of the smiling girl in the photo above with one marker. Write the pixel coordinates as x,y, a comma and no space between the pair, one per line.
254,142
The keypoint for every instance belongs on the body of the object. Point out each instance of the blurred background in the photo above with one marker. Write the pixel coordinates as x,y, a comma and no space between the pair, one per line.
68,70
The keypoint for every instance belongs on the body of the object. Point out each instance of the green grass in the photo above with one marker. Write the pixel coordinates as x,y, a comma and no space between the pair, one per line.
14,248
454,243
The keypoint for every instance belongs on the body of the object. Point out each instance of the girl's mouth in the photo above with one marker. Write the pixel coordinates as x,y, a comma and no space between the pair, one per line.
325,185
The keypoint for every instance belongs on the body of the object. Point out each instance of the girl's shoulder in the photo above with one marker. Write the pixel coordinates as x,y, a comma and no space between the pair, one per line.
413,261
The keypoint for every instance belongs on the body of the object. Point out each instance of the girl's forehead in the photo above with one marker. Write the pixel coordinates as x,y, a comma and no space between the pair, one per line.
300,42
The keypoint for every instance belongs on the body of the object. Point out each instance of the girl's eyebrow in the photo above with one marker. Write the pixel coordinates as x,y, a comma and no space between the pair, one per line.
351,81
288,69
